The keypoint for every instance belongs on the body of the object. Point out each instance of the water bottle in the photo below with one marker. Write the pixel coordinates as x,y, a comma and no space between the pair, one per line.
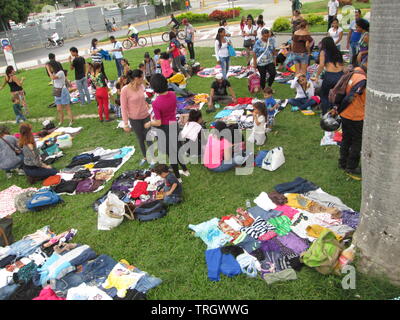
248,203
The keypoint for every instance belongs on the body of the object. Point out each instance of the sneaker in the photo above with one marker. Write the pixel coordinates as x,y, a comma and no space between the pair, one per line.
8,175
284,103
354,171
180,180
142,162
185,173
217,105
211,110
294,109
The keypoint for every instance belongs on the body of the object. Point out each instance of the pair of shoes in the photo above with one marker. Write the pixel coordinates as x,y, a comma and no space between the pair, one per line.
101,120
142,162
108,120
211,110
284,103
354,171
185,173
180,180
294,109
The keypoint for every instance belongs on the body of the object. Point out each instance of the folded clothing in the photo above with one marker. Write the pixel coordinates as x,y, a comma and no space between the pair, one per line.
108,163
66,186
298,185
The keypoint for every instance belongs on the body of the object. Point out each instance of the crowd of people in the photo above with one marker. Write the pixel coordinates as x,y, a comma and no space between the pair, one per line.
166,73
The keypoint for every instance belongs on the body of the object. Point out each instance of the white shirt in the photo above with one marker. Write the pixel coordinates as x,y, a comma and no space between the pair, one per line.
259,128
132,29
117,54
259,30
299,90
335,34
55,37
246,29
60,82
223,51
333,7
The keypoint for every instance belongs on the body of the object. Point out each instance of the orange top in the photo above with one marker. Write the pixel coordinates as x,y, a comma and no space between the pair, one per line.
356,110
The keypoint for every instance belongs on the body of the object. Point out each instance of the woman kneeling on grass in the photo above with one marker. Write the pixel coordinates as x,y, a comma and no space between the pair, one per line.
218,151
34,168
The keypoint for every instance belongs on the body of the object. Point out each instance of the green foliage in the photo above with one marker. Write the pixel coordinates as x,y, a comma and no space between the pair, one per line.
193,17
235,8
281,24
16,10
314,19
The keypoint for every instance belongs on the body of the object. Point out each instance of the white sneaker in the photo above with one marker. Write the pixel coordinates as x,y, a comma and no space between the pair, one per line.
185,173
284,103
180,180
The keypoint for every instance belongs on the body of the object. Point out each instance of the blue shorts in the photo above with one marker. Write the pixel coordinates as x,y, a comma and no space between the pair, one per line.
300,58
64,99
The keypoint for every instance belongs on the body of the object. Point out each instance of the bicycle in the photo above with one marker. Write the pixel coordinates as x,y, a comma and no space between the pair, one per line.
131,42
180,34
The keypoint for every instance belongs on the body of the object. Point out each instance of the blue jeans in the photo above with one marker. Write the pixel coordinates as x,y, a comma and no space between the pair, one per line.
330,80
224,66
18,165
39,172
353,50
224,167
147,282
302,103
173,198
83,90
176,88
120,68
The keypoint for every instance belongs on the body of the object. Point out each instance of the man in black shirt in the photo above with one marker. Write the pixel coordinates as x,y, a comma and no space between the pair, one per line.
80,67
175,22
219,93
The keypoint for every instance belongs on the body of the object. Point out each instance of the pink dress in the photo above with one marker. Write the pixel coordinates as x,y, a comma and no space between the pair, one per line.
166,68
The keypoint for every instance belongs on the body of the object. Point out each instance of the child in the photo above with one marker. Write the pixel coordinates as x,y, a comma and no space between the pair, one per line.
178,83
260,117
271,105
17,109
149,66
165,63
172,188
122,81
192,132
156,59
142,67
305,93
183,54
283,54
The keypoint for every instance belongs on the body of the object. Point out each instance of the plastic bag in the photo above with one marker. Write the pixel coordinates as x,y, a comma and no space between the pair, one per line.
111,213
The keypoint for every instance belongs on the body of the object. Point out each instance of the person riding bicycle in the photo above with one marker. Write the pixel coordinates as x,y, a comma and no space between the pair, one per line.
55,38
176,22
134,33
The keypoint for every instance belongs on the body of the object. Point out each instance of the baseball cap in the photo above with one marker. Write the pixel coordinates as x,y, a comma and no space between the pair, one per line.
219,76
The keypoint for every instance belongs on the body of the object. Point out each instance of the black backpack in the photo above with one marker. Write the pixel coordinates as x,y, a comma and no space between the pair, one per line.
151,211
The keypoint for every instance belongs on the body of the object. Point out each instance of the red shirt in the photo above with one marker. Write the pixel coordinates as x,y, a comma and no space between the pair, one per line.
175,50
164,108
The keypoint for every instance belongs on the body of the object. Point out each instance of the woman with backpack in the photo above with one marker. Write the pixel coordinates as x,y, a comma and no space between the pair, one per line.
264,50
33,167
330,60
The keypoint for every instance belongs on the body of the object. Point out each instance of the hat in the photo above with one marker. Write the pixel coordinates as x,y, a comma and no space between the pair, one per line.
218,76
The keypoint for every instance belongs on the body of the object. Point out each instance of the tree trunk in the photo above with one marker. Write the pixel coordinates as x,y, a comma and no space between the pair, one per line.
378,236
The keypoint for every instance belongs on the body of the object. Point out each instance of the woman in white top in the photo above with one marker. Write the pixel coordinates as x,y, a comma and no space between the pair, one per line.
260,28
257,135
305,92
336,33
228,33
60,91
222,52
249,34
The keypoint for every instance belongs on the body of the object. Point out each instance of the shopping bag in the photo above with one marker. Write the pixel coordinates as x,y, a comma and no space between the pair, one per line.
111,213
274,159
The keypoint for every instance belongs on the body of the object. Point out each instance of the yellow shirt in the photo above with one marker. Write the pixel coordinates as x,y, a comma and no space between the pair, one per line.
178,78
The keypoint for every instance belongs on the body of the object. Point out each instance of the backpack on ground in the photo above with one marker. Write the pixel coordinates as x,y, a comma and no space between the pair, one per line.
150,211
338,93
6,236
254,83
43,199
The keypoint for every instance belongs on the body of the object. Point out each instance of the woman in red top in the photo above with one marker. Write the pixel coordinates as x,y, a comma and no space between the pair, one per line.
174,50
100,82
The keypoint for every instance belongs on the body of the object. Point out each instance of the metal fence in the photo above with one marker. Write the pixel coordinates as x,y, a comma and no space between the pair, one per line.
75,23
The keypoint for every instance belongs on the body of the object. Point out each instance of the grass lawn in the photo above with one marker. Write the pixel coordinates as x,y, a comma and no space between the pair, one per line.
322,6
166,247
253,12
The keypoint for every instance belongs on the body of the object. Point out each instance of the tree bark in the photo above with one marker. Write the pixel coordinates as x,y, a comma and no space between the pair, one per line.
378,235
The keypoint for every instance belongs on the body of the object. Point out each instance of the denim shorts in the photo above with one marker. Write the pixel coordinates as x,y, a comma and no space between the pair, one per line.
64,99
300,58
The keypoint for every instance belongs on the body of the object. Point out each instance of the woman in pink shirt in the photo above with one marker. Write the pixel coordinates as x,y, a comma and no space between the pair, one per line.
218,151
164,108
135,109
165,65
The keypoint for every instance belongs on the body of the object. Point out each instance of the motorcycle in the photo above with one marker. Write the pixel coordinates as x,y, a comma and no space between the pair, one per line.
51,44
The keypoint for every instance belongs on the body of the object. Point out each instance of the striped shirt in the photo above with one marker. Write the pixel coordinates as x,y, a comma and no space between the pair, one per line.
258,228
96,58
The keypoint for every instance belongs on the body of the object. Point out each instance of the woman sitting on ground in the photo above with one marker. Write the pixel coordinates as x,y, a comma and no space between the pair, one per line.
11,157
305,93
34,168
219,150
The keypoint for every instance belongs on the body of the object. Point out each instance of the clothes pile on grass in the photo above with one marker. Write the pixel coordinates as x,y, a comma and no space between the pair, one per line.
47,266
89,171
332,138
234,71
297,224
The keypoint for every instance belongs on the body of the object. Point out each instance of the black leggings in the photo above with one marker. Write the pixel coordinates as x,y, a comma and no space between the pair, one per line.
141,132
191,49
270,68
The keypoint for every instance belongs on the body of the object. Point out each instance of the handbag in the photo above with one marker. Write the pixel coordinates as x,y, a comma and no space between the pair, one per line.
231,50
248,43
274,159
16,150
57,92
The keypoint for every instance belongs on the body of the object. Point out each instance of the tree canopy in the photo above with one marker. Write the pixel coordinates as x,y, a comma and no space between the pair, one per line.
16,10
